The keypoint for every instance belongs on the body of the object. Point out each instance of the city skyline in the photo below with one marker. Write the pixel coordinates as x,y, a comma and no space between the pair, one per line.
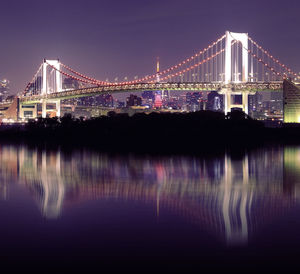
110,35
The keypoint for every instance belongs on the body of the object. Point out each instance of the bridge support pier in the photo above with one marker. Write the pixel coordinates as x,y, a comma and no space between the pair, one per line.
228,102
27,111
245,100
58,108
44,109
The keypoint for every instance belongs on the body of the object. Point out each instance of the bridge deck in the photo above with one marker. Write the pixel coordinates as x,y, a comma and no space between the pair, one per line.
200,86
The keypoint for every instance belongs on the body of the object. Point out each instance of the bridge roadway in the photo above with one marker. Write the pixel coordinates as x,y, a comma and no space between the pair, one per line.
188,86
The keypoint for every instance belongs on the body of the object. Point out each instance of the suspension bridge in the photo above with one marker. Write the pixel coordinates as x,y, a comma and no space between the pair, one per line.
234,64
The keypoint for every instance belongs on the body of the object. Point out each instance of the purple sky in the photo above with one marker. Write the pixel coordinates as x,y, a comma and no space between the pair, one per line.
110,38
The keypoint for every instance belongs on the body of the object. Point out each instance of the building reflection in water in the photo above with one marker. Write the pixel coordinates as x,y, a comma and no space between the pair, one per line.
232,197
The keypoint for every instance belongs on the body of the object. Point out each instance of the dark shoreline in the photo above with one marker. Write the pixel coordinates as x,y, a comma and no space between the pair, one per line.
202,132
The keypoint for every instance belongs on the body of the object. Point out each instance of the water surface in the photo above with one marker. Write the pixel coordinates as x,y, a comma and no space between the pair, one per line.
82,209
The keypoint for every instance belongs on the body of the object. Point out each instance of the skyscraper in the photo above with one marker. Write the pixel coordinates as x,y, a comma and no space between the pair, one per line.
291,102
133,100
4,88
215,101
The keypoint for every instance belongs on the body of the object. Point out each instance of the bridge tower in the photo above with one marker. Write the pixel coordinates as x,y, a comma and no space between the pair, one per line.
243,39
228,93
47,83
51,83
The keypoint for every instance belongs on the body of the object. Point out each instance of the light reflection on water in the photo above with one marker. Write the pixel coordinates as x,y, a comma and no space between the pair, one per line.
230,197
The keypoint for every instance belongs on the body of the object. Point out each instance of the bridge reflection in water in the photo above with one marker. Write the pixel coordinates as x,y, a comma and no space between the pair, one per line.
232,197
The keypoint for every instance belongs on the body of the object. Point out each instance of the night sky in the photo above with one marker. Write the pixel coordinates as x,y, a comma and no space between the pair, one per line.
110,38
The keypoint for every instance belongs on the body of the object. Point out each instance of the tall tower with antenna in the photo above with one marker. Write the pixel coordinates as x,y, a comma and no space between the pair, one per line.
158,94
157,70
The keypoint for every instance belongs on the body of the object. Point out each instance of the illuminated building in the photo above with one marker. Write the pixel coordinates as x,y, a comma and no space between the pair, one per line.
148,98
214,101
193,101
148,94
158,100
133,100
291,100
255,104
4,88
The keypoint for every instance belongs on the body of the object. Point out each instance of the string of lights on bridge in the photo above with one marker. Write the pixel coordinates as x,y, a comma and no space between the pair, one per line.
90,80
146,78
191,67
212,55
272,57
33,79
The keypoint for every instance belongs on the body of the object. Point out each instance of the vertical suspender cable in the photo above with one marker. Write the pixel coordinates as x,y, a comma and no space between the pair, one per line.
222,56
257,79
216,62
237,61
198,68
263,67
252,72
206,64
211,64
202,69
